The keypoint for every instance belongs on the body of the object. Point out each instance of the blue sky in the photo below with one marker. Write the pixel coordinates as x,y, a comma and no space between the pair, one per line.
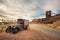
28,9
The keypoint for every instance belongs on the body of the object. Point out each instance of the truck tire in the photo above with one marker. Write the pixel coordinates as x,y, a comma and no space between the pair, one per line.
8,29
15,30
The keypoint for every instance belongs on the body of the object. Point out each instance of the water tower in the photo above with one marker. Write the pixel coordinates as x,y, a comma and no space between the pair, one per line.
48,14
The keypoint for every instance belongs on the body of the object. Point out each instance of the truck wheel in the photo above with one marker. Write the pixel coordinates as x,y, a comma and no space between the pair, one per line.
14,31
8,29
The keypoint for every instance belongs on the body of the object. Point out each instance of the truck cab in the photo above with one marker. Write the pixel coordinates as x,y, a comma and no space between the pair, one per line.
23,23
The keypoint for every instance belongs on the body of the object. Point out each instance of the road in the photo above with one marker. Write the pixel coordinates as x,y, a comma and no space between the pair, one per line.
49,31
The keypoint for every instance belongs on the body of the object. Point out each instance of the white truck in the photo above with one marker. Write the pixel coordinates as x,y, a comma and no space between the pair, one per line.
22,24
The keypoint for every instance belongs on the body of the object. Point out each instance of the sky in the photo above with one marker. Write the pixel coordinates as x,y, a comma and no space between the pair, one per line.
28,9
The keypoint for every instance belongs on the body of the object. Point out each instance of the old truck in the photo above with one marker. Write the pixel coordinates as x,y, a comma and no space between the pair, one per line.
21,24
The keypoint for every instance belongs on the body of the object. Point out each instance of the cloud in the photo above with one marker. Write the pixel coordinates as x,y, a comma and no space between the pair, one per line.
1,1
28,8
51,5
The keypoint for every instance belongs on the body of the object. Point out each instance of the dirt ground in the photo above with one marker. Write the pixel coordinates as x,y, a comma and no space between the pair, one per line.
30,34
51,26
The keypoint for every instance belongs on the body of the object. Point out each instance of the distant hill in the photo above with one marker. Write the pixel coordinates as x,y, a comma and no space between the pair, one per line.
36,21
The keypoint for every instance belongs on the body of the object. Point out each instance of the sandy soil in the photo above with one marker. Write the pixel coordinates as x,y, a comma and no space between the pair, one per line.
51,26
30,34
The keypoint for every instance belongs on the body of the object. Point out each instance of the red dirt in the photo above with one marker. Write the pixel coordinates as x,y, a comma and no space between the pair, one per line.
30,34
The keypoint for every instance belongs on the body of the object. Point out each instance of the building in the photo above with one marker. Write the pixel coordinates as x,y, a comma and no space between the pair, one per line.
48,14
49,19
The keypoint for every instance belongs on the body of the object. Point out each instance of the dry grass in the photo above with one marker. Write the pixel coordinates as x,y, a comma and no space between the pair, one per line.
30,34
55,25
